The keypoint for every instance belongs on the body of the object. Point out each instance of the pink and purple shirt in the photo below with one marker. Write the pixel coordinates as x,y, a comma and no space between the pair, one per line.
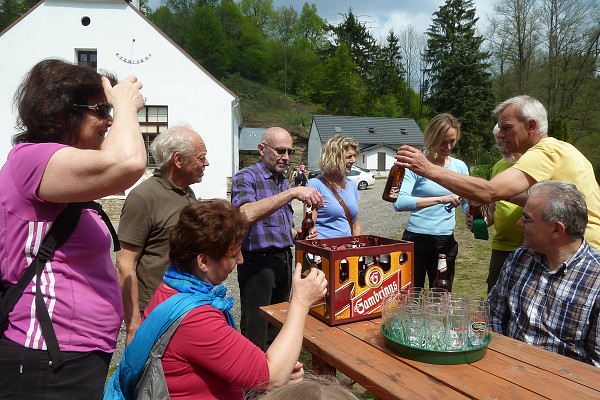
79,284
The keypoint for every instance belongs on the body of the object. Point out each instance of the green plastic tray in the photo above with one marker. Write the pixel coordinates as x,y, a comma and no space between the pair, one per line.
433,356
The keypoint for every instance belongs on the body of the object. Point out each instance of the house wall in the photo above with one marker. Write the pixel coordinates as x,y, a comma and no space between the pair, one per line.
314,148
369,158
54,29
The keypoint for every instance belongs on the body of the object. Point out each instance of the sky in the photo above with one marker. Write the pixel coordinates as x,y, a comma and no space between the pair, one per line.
382,15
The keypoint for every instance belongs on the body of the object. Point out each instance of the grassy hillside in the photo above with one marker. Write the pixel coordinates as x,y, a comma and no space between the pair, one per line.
263,107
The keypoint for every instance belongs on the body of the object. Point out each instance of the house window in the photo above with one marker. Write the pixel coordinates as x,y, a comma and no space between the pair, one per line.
153,120
371,129
87,58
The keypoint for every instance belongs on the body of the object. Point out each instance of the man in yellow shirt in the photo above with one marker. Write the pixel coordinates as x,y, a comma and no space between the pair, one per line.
504,216
523,123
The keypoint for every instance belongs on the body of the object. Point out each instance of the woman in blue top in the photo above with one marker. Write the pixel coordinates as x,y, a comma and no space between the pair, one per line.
337,158
431,223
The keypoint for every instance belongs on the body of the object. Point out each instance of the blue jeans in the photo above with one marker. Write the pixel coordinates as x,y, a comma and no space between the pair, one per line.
26,374
264,278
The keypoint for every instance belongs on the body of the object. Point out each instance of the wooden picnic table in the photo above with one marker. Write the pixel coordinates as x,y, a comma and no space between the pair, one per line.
510,369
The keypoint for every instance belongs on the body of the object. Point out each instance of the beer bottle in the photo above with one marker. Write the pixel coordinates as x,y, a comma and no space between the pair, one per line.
442,281
392,186
362,272
307,224
384,262
344,270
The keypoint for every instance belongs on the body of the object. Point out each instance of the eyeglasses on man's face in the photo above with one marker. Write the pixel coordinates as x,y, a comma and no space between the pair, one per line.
103,110
528,220
281,150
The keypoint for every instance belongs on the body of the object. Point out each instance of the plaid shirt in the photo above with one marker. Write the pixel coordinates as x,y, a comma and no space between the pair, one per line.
254,183
557,310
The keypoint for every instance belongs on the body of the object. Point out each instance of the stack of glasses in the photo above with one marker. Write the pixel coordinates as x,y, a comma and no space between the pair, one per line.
434,319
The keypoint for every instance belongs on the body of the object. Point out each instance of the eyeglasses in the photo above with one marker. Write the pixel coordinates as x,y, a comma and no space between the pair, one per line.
282,150
103,110
527,220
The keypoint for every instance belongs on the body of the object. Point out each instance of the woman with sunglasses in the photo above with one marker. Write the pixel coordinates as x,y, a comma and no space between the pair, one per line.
64,154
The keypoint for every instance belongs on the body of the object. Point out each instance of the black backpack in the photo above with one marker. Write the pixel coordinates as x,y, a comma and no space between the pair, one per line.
58,234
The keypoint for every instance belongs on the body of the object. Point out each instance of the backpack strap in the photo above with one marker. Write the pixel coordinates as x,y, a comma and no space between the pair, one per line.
152,384
57,235
113,233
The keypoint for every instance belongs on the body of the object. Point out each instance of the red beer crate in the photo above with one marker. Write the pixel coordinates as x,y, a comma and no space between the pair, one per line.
361,271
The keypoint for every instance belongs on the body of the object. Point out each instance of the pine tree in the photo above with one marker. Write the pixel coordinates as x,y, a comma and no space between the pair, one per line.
458,74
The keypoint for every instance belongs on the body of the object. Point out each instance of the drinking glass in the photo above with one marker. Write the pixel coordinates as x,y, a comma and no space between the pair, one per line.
435,326
479,317
436,296
416,295
457,327
391,314
413,325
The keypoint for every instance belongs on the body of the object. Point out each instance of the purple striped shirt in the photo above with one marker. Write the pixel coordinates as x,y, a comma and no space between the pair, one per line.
255,183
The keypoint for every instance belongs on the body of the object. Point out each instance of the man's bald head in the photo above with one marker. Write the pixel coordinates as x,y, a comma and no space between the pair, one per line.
274,149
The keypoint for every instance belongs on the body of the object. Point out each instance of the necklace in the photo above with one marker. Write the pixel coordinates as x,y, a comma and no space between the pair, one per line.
336,185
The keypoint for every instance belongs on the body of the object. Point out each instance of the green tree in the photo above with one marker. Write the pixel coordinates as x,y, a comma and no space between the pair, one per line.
355,35
11,10
260,12
338,85
311,28
386,77
459,77
207,41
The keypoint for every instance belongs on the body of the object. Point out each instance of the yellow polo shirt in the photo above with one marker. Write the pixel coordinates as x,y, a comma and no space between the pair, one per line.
552,159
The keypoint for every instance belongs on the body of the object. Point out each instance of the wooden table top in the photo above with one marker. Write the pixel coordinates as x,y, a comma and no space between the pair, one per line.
510,369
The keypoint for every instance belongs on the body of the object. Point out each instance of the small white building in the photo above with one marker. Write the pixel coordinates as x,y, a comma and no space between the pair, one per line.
378,138
113,35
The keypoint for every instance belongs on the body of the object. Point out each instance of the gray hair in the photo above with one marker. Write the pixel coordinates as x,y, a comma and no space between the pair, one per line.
564,203
528,109
496,130
169,142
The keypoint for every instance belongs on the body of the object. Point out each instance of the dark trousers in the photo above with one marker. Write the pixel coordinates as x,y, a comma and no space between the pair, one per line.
497,259
264,279
427,248
26,374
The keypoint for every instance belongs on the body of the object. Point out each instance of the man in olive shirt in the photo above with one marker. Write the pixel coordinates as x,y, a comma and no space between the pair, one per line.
149,211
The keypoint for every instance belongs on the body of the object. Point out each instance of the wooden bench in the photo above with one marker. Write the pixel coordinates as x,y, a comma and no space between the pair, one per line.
510,369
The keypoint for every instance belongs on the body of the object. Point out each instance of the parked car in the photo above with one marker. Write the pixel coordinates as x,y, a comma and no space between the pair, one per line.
361,178
312,174
357,175
362,169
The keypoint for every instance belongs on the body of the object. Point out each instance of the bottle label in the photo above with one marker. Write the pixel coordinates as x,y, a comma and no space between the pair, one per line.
442,267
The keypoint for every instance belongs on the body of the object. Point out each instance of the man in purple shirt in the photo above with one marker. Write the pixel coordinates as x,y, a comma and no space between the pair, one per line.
264,197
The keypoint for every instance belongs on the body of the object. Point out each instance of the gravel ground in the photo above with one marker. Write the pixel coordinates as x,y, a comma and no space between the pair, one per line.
377,217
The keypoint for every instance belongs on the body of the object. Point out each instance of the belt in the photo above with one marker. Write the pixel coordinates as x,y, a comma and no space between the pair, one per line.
286,250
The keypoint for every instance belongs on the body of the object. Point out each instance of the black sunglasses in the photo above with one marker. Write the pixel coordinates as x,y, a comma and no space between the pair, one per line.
103,110
281,150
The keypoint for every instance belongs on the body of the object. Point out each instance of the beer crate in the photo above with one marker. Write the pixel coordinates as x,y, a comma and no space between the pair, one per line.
361,271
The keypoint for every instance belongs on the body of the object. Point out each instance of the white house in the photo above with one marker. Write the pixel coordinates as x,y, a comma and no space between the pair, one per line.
378,138
113,35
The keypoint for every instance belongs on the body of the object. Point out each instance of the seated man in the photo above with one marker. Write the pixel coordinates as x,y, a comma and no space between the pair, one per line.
548,292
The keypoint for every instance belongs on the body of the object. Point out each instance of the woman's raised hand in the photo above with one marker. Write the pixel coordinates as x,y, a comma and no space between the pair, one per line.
124,94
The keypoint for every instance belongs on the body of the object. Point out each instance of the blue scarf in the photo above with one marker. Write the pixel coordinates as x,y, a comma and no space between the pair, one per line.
192,293
184,282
